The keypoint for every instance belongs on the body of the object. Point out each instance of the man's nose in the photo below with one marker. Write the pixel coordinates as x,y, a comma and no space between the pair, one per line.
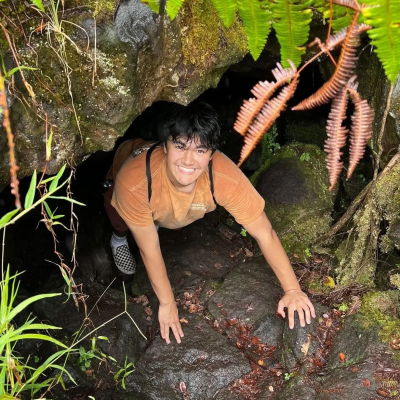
188,157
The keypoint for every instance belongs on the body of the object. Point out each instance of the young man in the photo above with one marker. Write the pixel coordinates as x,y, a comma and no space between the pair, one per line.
181,192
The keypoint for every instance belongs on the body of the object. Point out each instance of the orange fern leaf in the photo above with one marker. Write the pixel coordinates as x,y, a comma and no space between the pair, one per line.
353,4
269,113
361,127
262,91
343,71
336,136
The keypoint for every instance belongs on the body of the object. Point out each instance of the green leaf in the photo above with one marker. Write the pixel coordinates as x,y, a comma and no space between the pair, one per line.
173,7
37,336
38,4
68,199
226,10
28,301
48,179
6,218
54,183
256,18
48,145
48,210
292,26
30,196
153,5
384,17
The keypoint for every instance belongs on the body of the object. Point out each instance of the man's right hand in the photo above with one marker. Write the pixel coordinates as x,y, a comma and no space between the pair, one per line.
169,318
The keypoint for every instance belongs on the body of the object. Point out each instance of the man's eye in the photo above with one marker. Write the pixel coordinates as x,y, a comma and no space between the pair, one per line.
201,151
179,147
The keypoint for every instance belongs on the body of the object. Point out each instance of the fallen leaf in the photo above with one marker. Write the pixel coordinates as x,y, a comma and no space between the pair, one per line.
183,321
354,369
329,282
219,305
271,388
306,345
383,393
217,265
182,387
255,340
342,357
366,382
248,253
260,362
148,311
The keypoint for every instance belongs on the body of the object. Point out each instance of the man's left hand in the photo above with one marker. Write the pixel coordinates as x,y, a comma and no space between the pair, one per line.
296,301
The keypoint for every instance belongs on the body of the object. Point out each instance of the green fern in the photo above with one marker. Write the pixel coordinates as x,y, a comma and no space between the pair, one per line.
257,21
173,7
153,5
384,17
38,4
226,10
292,25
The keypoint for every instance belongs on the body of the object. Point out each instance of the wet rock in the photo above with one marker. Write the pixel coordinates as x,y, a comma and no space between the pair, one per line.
297,388
358,341
299,343
250,293
352,382
294,183
204,363
394,234
194,254
124,340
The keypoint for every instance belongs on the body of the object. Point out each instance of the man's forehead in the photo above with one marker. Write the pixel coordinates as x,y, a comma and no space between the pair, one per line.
188,142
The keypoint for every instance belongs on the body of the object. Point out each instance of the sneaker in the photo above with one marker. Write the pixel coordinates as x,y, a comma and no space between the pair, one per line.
123,259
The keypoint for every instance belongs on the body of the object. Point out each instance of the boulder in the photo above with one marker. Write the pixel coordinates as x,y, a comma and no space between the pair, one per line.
294,183
111,64
204,363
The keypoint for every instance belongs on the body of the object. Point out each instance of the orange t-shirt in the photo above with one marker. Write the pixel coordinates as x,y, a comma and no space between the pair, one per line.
172,209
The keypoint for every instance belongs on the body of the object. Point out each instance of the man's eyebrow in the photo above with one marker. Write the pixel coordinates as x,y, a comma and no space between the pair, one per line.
202,146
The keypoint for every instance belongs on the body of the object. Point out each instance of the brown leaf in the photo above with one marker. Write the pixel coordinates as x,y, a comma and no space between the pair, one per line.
366,382
217,265
342,357
383,393
183,321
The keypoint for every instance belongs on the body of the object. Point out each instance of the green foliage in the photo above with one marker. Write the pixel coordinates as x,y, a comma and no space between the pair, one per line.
243,232
173,7
292,24
268,144
153,4
38,4
305,157
124,372
226,10
256,18
384,17
16,376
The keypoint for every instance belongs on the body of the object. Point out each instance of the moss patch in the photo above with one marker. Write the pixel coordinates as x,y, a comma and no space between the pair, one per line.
204,35
299,225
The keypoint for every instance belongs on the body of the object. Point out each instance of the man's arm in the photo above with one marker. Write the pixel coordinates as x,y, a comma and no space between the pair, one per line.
275,255
148,242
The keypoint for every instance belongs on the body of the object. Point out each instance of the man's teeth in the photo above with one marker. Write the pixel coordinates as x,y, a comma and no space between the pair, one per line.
186,169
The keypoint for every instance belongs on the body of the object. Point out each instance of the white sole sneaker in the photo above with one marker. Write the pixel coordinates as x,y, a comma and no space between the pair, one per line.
123,259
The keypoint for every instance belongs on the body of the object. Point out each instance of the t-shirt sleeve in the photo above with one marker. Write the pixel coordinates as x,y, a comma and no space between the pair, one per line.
132,205
236,194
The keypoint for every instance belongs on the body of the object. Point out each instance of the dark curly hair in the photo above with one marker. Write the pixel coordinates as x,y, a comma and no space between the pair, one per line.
198,120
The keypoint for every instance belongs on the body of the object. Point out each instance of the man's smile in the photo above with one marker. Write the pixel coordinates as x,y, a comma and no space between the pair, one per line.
186,170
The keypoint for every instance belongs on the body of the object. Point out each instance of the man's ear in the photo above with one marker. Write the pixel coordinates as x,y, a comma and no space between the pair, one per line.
165,148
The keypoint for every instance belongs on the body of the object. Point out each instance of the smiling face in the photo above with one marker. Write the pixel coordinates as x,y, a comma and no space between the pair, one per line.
186,161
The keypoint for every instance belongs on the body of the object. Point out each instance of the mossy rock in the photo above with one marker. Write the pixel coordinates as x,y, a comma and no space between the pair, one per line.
293,183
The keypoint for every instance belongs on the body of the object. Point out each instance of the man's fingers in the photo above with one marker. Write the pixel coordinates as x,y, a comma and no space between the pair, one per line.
165,327
307,312
291,316
300,313
281,310
175,331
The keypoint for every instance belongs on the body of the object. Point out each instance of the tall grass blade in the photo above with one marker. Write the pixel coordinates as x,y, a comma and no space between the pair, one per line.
30,196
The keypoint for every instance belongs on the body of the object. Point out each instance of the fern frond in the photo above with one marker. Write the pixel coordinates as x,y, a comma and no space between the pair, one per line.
336,136
256,18
384,17
266,118
153,5
38,4
292,25
173,7
262,91
361,127
226,10
348,3
344,69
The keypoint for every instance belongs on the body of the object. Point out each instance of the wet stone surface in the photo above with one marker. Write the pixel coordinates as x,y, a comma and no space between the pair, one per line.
203,363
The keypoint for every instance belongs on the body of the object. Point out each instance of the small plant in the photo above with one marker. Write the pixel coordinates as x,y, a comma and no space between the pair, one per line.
305,157
243,232
288,376
86,356
307,253
124,371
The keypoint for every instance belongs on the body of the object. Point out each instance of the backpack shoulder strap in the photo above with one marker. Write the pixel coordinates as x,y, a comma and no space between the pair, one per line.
148,172
210,175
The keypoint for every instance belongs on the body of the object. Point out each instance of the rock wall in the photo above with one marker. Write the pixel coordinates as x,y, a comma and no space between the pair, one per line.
104,66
